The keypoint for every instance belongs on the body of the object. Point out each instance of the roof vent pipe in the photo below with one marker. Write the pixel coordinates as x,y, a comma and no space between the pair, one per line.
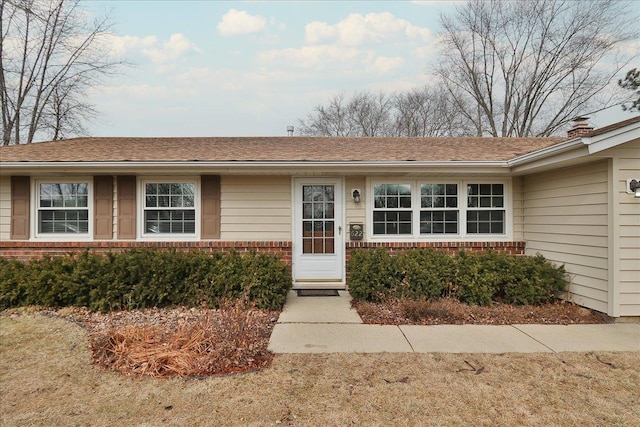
580,127
290,130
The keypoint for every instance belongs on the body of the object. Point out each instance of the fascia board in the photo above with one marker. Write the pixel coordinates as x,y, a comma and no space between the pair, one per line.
574,149
563,159
544,153
7,168
613,138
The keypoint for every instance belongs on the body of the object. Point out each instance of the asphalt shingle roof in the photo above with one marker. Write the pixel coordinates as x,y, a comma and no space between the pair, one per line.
275,149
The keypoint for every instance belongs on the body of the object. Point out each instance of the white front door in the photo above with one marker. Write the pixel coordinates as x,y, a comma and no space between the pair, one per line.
318,235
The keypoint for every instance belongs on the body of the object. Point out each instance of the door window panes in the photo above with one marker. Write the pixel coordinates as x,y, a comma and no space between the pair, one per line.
318,219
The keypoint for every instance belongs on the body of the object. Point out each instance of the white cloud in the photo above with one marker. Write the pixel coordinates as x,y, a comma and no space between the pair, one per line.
357,29
143,91
204,78
385,65
311,56
175,47
630,48
172,49
120,45
236,22
334,59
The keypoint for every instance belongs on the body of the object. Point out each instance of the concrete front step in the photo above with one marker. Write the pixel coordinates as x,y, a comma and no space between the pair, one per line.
328,324
319,309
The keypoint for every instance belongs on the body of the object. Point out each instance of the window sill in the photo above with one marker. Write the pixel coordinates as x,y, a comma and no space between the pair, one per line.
168,237
61,238
443,238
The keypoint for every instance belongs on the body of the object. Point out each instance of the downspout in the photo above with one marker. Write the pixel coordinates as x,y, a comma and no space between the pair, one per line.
522,215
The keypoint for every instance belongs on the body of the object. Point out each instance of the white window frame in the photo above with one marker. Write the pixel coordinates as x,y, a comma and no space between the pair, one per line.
489,208
174,237
420,183
35,208
462,234
398,209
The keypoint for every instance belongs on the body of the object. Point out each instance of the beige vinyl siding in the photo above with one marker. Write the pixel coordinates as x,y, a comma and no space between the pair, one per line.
518,211
255,208
626,230
355,212
5,207
565,215
114,218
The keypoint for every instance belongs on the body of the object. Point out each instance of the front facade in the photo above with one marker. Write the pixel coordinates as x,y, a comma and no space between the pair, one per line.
313,200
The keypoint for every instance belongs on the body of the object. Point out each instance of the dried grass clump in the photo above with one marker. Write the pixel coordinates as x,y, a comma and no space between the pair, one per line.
210,342
403,311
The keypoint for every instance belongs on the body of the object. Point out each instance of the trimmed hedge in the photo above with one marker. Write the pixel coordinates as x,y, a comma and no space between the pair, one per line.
144,278
477,278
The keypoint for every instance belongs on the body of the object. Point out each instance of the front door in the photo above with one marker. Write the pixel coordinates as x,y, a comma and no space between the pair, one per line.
318,245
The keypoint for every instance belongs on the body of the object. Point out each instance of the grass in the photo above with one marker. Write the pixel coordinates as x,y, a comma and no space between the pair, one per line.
47,378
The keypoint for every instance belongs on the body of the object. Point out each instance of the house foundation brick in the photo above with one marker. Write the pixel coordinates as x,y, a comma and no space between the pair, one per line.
33,250
24,250
512,248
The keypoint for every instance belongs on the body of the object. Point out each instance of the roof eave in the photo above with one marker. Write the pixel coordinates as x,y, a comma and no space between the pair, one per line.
566,151
7,168
574,150
613,138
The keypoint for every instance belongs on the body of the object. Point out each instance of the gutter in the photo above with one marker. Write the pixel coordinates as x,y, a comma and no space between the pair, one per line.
546,152
5,166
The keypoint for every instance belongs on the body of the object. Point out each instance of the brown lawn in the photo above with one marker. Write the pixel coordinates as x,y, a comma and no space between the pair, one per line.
48,378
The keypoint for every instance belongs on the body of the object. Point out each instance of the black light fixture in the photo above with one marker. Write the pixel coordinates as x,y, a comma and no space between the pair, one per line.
356,195
634,187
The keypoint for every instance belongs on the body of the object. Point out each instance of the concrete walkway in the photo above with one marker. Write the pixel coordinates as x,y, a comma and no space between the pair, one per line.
330,325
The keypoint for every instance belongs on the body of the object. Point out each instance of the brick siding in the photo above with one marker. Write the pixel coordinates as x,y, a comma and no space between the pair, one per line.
30,250
512,248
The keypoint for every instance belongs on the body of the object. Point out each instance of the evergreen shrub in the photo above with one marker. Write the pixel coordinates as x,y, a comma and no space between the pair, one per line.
477,278
144,278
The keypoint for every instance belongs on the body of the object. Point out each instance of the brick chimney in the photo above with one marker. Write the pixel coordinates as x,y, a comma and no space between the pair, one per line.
580,127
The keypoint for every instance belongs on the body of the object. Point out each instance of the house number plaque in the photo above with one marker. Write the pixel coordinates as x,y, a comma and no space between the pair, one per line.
356,231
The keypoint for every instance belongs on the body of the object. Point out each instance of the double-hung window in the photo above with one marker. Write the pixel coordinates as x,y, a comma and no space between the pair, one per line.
485,209
439,209
392,212
62,208
169,208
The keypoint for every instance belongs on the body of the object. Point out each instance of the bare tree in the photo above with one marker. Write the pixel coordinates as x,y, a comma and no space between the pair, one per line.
516,68
332,120
66,114
427,112
51,56
419,112
371,113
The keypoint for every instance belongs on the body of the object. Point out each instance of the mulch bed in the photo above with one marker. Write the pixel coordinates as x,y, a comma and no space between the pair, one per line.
451,312
199,342
179,342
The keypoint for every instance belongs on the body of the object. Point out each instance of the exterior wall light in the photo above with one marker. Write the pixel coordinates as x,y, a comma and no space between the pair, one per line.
355,193
634,187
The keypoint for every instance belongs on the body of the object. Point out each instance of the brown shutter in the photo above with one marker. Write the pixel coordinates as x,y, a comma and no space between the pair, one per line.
103,207
20,186
126,207
210,194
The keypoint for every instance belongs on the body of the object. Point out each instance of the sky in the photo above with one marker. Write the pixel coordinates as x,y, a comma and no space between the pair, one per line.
220,68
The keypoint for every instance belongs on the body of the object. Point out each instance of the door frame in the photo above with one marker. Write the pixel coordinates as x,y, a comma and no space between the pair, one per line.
296,231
